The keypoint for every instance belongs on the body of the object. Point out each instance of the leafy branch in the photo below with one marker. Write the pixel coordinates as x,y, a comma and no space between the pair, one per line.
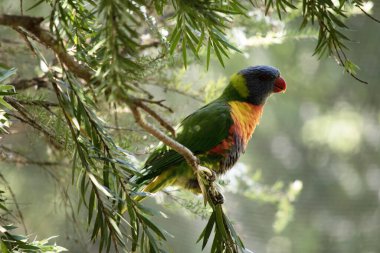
329,16
102,190
13,243
330,39
203,23
5,90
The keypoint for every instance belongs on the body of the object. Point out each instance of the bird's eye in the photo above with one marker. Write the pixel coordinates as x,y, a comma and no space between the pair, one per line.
266,77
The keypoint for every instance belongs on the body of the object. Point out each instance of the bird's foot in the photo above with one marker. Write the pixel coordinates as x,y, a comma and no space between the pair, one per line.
209,175
215,196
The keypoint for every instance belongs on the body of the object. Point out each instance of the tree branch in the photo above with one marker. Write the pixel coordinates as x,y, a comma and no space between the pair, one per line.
368,15
26,118
159,103
11,156
45,104
24,21
162,121
184,93
32,25
22,84
184,151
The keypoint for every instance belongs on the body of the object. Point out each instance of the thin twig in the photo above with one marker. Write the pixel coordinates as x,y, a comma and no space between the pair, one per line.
179,148
22,84
26,118
154,44
150,95
32,25
339,50
45,104
193,96
122,128
21,7
38,103
368,15
116,119
159,103
162,121
39,163
11,156
25,37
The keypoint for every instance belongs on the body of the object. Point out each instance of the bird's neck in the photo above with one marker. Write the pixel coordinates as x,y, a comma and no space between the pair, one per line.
246,117
230,93
236,89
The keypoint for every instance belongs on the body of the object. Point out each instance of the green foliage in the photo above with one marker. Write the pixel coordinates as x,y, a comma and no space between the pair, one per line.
225,240
14,243
117,43
73,23
5,90
102,173
107,37
10,243
202,23
329,17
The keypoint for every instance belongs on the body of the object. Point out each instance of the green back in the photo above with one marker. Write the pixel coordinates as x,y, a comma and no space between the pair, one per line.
200,132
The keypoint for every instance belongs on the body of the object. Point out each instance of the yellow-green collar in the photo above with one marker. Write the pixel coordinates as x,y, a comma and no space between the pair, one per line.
239,83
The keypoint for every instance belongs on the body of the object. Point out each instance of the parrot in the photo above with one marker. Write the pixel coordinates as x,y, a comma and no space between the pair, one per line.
217,133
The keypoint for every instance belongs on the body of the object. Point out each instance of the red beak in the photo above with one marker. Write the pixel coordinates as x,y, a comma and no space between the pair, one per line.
279,85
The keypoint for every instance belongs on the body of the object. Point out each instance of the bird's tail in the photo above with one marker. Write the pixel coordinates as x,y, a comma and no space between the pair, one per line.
157,184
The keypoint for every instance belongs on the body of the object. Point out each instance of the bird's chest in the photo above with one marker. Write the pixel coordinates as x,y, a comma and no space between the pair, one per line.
245,119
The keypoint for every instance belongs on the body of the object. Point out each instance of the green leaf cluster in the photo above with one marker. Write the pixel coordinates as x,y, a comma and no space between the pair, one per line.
5,90
225,239
103,170
329,17
14,243
203,23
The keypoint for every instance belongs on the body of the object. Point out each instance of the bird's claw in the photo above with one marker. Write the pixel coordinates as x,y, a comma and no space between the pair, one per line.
211,178
216,196
209,174
208,188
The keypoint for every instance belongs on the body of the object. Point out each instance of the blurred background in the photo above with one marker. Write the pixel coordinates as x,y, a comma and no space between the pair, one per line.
324,132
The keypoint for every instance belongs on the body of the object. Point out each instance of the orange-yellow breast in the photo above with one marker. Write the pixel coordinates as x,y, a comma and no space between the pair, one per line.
246,117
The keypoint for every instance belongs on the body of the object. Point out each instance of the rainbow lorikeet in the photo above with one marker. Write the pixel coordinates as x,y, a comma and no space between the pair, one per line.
217,133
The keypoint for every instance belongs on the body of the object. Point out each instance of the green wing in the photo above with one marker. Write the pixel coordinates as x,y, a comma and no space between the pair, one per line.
200,132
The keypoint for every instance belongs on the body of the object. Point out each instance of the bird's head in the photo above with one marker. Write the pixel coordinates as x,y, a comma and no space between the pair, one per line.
255,84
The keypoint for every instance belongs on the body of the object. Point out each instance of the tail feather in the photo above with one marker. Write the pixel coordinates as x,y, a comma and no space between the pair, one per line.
166,178
156,185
